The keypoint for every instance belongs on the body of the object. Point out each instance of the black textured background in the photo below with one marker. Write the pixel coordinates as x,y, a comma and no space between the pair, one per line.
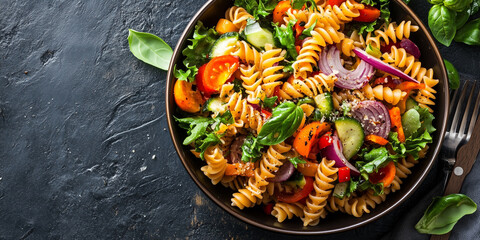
84,147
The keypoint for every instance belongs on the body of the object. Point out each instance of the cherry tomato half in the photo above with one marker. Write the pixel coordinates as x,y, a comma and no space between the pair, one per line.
218,71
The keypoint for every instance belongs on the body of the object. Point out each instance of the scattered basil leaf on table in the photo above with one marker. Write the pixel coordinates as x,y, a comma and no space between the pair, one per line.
474,7
461,19
285,120
433,2
469,33
453,76
444,212
150,49
457,5
441,21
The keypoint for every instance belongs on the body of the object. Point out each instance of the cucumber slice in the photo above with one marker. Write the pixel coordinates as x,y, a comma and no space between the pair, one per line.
340,190
324,103
215,105
351,134
411,122
306,100
410,104
258,36
224,44
297,180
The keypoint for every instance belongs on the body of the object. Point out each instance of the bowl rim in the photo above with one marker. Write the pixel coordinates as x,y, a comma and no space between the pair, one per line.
179,149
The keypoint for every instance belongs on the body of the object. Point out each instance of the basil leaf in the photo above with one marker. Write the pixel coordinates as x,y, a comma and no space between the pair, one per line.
296,160
433,2
251,149
461,19
474,7
441,21
150,49
453,77
444,212
457,5
284,121
470,33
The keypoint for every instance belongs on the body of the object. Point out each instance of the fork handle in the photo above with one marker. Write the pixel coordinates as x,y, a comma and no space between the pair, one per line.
466,156
440,237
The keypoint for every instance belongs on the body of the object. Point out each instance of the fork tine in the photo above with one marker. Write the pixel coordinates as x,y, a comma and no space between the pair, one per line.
454,100
458,110
463,125
474,118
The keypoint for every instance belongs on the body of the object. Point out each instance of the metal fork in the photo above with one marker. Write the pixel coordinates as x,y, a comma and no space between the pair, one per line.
457,135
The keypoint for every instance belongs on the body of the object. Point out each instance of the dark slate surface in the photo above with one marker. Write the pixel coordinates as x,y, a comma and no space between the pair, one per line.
85,151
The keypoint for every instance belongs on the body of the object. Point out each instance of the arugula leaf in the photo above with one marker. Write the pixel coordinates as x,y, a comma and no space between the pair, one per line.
251,149
210,139
296,160
307,32
260,8
150,49
200,132
202,41
411,146
195,126
284,121
377,188
225,118
383,6
269,102
188,75
286,39
288,68
374,160
426,118
299,4
238,87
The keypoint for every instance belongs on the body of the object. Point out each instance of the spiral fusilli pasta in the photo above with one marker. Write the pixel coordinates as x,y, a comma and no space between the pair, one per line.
268,164
317,200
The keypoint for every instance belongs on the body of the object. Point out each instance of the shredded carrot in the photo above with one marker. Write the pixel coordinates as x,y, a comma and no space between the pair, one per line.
397,122
376,139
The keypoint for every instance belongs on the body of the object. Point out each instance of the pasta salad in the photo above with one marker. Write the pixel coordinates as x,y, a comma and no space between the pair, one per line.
306,107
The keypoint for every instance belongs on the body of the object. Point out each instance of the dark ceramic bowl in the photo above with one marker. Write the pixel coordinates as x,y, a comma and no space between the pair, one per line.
209,15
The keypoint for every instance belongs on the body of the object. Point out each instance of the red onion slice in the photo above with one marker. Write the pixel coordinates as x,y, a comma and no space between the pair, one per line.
334,152
284,173
374,117
376,63
330,63
410,47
